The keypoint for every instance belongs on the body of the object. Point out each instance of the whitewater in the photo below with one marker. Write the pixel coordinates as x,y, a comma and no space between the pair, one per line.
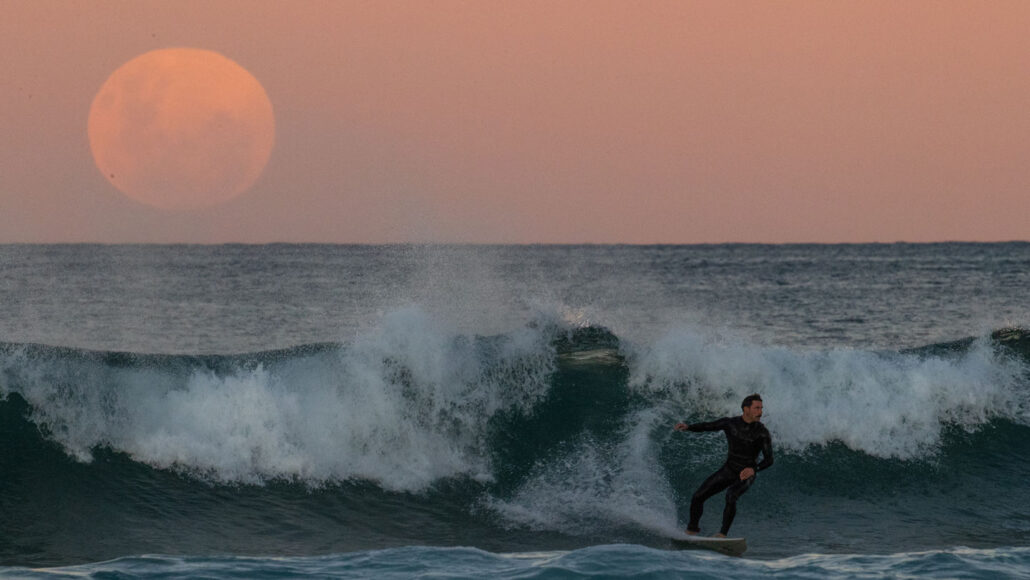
507,411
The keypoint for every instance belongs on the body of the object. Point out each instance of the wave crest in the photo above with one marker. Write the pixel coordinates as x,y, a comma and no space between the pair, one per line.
885,404
413,402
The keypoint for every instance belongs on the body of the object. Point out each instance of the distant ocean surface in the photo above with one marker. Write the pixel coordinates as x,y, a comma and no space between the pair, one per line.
506,411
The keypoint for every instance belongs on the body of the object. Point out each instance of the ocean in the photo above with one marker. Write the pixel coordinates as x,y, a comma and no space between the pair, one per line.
406,411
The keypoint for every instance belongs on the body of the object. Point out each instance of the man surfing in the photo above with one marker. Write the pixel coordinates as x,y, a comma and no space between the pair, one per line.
747,437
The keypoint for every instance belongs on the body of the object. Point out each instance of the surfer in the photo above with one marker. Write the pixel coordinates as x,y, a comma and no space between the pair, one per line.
747,437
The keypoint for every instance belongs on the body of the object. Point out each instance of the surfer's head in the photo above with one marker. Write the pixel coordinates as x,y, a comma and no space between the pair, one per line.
752,407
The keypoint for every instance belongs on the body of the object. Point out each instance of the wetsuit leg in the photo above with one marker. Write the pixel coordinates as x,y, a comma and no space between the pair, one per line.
715,483
732,495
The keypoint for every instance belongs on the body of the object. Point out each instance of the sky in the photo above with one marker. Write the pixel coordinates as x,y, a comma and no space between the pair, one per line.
550,122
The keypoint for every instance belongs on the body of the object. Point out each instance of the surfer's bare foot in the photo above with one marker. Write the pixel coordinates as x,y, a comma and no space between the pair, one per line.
720,535
691,533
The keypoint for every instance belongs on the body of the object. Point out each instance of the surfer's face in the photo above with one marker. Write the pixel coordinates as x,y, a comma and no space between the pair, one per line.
754,412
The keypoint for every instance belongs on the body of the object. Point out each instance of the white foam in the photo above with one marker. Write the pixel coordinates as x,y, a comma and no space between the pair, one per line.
404,405
884,404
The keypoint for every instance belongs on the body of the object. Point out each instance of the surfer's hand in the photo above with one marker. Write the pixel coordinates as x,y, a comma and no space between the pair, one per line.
746,473
681,427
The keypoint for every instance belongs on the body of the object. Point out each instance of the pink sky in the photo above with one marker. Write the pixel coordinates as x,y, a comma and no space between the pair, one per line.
551,122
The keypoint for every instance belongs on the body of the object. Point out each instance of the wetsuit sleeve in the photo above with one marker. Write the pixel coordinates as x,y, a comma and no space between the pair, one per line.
717,425
767,453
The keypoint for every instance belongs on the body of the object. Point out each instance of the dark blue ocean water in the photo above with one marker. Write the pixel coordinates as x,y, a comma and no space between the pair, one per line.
506,411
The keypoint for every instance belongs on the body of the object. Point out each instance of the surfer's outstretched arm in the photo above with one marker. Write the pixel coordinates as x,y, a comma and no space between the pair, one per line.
717,425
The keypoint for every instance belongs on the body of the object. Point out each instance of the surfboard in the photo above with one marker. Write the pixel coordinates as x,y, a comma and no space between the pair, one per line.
728,546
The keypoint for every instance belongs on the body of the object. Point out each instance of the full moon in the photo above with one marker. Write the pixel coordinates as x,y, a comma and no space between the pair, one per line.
181,129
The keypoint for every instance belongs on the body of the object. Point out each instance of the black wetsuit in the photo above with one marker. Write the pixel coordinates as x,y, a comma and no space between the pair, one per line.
746,441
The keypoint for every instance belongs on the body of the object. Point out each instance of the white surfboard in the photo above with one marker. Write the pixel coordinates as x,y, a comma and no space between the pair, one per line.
728,546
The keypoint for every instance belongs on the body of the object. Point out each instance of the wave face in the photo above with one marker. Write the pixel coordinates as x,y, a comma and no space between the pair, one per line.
547,437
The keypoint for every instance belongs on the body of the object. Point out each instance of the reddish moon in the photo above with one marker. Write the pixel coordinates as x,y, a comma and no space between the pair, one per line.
181,129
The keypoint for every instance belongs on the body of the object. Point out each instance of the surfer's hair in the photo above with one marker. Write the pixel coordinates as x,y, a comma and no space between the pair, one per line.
750,399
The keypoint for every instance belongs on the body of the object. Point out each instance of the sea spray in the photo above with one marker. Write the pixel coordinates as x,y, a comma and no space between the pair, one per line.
610,483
